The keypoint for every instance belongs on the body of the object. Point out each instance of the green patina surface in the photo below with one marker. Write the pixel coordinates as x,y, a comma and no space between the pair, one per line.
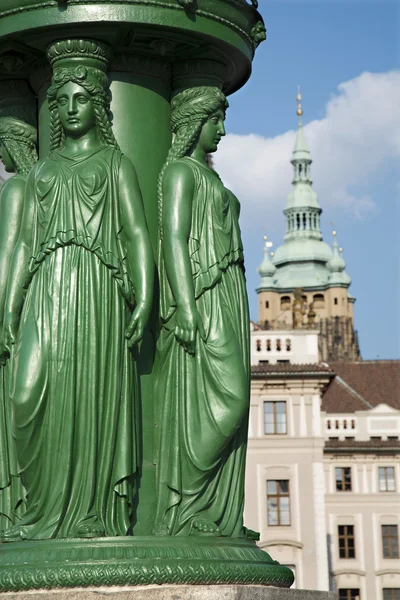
129,402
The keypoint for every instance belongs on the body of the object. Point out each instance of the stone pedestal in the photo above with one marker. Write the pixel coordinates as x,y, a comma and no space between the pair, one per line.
178,592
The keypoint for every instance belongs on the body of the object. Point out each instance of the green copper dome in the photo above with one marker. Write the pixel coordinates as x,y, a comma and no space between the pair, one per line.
336,265
266,270
304,260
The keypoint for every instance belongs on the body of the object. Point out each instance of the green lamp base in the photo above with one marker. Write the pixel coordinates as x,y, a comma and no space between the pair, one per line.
130,561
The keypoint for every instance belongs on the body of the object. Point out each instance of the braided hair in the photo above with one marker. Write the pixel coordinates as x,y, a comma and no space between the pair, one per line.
190,109
19,140
95,82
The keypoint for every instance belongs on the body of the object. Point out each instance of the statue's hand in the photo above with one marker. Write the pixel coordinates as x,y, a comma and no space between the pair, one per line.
10,331
135,329
188,324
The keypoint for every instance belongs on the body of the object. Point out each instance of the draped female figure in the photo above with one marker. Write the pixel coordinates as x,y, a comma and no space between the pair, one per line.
18,154
85,263
203,384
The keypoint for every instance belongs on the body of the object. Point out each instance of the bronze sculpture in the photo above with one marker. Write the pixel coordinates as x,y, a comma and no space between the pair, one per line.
204,381
85,261
18,153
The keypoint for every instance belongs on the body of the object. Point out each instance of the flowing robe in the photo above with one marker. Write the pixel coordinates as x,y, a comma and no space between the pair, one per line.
11,491
73,379
203,400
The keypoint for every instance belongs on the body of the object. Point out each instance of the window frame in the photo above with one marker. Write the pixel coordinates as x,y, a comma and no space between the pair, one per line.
343,480
274,419
393,548
392,595
386,478
348,595
278,495
347,537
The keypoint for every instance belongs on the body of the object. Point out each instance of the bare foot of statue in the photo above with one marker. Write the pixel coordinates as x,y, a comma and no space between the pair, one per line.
202,526
90,530
160,529
11,535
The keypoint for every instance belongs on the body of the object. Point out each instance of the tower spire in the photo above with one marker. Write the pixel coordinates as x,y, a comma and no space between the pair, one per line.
302,207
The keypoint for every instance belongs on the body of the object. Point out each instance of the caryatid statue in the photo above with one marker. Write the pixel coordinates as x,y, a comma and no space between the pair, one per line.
80,294
204,380
18,138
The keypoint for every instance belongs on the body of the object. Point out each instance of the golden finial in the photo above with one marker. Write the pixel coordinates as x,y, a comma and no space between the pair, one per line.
265,238
272,254
334,233
298,101
340,249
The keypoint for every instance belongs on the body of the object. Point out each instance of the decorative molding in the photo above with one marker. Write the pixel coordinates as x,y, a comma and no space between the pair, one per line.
55,564
152,3
141,65
349,572
92,52
186,71
258,34
282,542
16,58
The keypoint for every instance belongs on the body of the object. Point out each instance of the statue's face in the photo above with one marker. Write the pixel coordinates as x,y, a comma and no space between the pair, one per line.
212,132
6,160
76,110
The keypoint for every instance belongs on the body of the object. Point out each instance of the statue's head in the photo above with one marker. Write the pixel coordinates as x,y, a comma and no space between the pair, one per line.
197,117
79,97
18,133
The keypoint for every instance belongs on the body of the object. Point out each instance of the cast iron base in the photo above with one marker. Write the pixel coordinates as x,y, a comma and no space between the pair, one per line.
134,561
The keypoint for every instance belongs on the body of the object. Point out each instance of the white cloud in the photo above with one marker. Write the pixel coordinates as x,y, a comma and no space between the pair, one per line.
360,131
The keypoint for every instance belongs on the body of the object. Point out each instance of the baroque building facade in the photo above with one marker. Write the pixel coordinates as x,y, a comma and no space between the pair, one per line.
323,464
323,473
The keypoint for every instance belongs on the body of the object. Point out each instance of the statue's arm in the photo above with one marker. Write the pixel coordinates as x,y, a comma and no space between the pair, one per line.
19,266
11,206
178,191
140,254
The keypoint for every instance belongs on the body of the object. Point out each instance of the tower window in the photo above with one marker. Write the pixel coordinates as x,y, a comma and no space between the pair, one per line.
335,301
319,301
258,345
304,221
267,304
298,220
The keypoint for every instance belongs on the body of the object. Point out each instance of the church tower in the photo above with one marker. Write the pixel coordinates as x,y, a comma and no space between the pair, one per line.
305,285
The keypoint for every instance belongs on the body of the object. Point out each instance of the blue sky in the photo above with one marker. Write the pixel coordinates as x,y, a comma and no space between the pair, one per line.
345,55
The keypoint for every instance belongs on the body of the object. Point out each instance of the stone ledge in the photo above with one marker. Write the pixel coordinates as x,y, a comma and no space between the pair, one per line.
201,592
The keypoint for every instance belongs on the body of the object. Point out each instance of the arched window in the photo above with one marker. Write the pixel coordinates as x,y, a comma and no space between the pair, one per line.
319,301
285,302
288,345
304,221
266,304
269,346
335,301
258,345
298,220
278,345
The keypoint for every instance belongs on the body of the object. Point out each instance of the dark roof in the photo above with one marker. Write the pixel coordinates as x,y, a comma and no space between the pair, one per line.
363,385
371,445
266,369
